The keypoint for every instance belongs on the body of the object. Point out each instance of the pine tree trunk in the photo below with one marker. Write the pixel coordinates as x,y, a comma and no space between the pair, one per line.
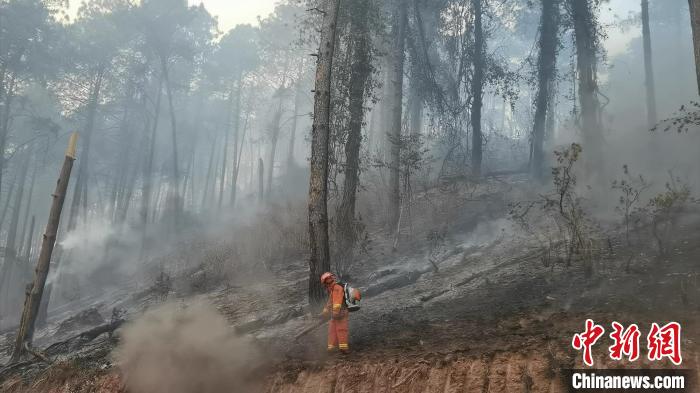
33,299
416,110
224,162
648,67
236,139
586,63
394,135
6,206
10,285
27,209
295,116
210,174
319,258
274,138
261,180
5,123
82,175
477,88
359,75
239,155
546,72
148,167
172,199
695,24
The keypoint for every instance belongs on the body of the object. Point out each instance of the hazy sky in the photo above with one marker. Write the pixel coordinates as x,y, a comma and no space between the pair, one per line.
233,12
229,12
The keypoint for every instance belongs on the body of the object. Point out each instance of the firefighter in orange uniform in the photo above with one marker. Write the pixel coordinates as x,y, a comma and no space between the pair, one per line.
338,312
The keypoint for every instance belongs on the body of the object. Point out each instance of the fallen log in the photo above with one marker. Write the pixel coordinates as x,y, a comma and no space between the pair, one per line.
86,336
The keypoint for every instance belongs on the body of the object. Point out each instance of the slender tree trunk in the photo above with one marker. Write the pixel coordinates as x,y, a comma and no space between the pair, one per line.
173,199
236,139
546,72
33,299
5,125
359,75
295,116
224,162
27,209
695,24
30,240
124,201
394,135
274,138
477,88
319,256
6,207
586,64
416,110
148,167
239,154
210,174
261,180
648,67
82,175
10,286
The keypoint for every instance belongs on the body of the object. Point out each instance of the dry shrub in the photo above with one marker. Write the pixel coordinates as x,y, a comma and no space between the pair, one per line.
172,349
276,235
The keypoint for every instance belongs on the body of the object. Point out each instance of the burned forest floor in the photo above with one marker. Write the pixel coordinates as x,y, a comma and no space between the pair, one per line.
468,301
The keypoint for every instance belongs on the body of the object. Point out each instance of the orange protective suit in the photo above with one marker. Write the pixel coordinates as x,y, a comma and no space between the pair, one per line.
338,325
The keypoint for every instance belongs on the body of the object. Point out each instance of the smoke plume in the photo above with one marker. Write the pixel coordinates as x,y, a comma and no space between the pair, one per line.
172,349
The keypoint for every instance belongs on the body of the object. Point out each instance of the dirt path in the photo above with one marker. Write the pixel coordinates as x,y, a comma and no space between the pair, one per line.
526,353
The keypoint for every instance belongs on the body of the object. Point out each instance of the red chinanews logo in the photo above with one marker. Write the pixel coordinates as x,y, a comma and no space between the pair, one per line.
662,342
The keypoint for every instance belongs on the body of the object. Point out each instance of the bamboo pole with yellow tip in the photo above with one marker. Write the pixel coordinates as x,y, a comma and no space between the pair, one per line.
36,289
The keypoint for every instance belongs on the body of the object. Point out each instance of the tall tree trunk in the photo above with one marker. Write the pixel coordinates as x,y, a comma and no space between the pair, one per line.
5,122
236,138
27,209
82,175
227,128
173,199
274,138
546,72
10,284
150,130
148,167
261,180
319,256
586,64
295,116
394,135
359,75
30,239
416,110
477,88
33,299
695,24
6,206
210,174
239,155
648,67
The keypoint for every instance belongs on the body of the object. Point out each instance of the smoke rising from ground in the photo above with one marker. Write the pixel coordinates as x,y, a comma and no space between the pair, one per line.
171,349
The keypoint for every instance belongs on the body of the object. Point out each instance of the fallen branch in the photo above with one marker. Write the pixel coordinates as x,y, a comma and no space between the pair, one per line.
88,335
